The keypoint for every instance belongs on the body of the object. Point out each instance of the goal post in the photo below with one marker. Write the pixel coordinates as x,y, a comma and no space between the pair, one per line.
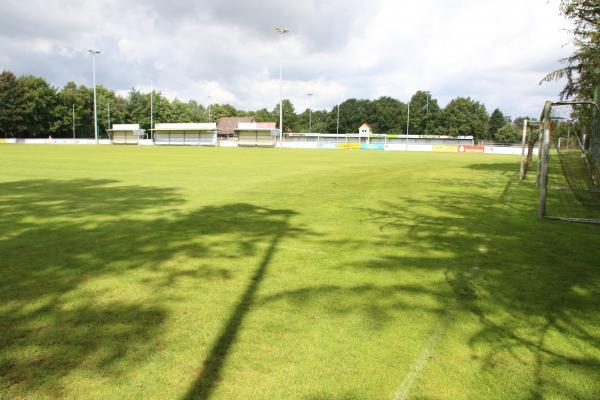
530,136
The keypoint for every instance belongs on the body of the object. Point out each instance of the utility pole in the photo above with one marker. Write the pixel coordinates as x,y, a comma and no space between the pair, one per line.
152,135
73,121
337,129
94,53
282,31
209,109
427,113
407,124
309,112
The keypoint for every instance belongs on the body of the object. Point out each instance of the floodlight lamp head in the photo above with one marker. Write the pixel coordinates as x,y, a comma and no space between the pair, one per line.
94,52
282,30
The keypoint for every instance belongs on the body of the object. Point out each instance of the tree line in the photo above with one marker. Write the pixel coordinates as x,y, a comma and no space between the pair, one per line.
581,70
31,107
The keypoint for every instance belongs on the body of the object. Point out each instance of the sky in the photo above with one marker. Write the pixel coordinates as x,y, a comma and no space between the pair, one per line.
493,51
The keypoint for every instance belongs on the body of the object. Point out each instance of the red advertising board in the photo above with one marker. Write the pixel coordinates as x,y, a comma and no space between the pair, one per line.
470,149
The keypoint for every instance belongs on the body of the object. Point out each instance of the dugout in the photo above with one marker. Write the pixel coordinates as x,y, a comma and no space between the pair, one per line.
186,134
126,133
256,134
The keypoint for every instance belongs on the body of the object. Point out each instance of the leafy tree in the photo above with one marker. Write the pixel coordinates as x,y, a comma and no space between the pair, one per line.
289,115
197,111
582,68
162,109
12,105
519,121
497,121
464,116
118,109
302,122
319,121
63,112
82,98
181,112
508,133
138,108
31,103
222,110
40,100
353,113
386,115
264,115
424,113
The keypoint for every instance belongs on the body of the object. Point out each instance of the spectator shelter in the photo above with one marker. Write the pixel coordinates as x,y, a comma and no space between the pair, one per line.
126,133
186,134
262,134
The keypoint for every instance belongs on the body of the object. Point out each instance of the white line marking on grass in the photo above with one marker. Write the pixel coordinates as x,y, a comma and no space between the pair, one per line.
417,366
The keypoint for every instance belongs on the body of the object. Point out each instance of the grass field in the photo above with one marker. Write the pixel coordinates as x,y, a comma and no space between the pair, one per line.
191,273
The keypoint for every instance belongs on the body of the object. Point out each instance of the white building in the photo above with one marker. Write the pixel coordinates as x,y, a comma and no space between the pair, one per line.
126,133
190,134
365,129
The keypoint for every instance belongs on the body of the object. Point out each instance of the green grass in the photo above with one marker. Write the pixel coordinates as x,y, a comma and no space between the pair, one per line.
192,273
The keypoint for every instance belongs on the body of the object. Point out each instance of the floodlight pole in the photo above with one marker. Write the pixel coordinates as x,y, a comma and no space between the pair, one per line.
73,121
309,112
109,115
94,53
281,31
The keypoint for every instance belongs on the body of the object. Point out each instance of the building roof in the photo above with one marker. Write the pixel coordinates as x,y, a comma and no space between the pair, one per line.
365,125
125,127
187,126
256,126
227,125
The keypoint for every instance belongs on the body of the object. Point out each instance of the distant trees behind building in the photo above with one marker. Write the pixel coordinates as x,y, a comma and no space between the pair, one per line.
31,107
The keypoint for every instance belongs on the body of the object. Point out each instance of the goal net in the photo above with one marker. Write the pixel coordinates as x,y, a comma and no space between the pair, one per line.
570,162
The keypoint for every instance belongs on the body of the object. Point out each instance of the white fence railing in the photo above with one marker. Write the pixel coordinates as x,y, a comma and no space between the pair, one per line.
318,143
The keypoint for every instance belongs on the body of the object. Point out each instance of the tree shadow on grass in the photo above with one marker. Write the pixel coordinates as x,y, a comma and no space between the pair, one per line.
533,285
212,366
506,168
61,237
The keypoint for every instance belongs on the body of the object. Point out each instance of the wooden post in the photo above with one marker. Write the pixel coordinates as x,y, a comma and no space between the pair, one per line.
522,172
547,124
539,156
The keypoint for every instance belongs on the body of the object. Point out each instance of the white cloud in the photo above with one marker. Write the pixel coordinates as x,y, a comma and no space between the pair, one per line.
495,52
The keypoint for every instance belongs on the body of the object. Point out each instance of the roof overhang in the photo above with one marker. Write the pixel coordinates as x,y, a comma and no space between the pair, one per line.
193,126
